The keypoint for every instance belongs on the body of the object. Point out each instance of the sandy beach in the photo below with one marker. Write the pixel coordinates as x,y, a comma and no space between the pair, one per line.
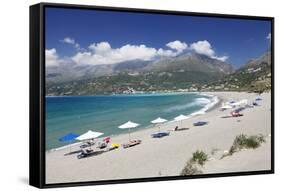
167,156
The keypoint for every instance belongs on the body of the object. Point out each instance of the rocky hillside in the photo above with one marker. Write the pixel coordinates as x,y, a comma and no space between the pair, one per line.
254,76
181,72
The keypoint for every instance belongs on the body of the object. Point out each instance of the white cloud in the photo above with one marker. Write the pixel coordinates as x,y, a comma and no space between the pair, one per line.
71,41
221,58
101,47
205,48
103,53
68,40
177,45
268,37
52,58
166,53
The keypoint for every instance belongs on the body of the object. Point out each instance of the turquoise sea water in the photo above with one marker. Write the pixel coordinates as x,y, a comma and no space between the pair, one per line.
78,114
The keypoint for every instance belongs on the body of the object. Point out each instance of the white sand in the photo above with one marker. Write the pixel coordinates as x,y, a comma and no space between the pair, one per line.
167,156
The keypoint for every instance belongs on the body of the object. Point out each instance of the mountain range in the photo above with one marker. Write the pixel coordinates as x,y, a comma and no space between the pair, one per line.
185,62
185,71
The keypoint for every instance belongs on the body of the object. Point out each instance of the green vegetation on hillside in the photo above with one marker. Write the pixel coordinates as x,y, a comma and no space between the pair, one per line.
254,76
133,83
207,75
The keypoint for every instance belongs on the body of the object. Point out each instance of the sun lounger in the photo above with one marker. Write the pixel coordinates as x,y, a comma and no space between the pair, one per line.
200,123
255,104
258,99
85,153
239,109
160,134
181,129
102,145
106,139
131,144
87,144
236,114
114,146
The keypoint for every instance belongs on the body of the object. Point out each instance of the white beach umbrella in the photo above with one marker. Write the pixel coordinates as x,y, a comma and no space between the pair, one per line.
159,120
128,125
180,118
89,135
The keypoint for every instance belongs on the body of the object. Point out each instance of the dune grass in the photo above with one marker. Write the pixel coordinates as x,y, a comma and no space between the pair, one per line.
194,164
245,142
199,157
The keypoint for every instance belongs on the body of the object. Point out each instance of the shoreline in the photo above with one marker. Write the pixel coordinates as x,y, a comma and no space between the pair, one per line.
126,94
215,101
168,155
138,94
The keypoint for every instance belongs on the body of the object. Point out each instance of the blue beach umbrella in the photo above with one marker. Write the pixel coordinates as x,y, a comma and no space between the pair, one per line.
68,137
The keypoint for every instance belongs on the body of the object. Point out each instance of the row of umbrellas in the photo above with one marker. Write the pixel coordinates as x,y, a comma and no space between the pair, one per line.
128,125
89,135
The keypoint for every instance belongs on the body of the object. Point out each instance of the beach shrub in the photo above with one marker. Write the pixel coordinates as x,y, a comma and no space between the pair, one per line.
252,142
199,157
190,168
261,138
193,165
244,142
238,143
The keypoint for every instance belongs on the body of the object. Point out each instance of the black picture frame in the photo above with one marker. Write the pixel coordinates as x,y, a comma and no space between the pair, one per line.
37,94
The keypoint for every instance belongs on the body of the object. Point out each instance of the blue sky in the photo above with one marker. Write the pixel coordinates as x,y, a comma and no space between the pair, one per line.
71,31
